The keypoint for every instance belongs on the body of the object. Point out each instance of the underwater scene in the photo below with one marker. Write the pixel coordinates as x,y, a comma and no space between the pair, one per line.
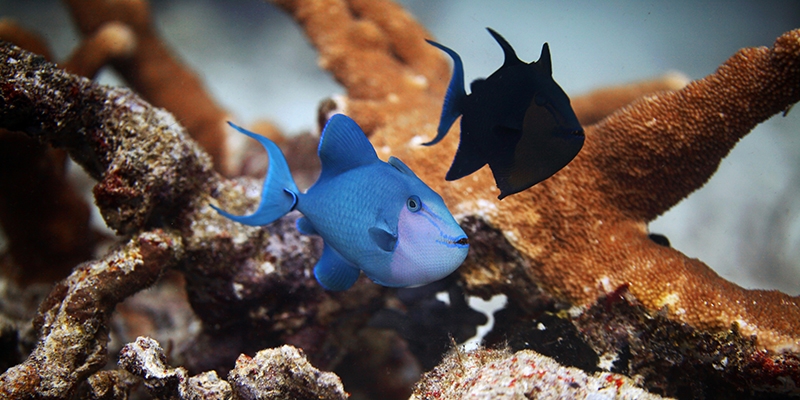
375,199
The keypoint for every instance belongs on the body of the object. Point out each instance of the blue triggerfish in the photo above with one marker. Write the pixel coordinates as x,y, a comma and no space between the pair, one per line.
518,120
373,216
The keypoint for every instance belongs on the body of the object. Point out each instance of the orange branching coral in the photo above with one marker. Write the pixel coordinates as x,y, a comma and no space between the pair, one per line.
155,73
393,73
112,41
599,103
583,231
12,32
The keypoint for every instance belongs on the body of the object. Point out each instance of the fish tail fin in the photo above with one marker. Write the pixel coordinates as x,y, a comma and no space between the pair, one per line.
455,95
279,194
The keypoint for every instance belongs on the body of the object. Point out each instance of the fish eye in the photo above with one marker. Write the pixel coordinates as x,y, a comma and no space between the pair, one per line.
414,203
539,99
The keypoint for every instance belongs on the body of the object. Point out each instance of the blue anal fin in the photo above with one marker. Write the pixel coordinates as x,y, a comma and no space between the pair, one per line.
279,194
333,272
455,95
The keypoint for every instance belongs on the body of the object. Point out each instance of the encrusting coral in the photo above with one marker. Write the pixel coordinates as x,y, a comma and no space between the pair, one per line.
578,239
499,374
282,373
155,72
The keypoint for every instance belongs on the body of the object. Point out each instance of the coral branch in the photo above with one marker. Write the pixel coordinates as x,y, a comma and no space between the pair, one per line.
145,358
73,320
145,166
359,38
12,32
662,148
282,373
593,106
112,41
156,74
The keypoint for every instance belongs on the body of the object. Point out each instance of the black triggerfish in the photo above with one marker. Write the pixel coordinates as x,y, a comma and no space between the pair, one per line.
518,120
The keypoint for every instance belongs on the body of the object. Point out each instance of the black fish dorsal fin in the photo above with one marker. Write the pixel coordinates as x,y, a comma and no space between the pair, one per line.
508,51
544,60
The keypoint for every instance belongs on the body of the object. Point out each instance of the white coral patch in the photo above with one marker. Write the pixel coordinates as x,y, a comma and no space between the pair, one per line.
481,207
488,308
511,236
238,290
267,267
444,297
670,300
607,361
417,140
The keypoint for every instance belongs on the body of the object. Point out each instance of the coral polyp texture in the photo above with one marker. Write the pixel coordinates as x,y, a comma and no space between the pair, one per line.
584,283
493,374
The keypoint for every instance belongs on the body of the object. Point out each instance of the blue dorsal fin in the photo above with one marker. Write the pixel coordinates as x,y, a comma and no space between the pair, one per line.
279,194
455,95
544,60
333,272
343,146
508,51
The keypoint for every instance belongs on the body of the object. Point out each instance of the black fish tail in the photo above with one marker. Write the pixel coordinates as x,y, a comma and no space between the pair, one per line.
453,100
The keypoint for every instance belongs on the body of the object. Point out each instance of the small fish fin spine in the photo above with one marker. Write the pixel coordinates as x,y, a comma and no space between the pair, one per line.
343,146
544,61
401,166
279,194
508,51
454,98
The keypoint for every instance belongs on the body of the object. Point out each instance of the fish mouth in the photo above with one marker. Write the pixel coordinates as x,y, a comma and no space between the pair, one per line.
460,242
572,132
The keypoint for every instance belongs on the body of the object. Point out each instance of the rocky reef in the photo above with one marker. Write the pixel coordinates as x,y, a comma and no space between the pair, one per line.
183,303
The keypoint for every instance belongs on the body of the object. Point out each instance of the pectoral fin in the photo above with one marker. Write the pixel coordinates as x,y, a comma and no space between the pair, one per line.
384,239
334,272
